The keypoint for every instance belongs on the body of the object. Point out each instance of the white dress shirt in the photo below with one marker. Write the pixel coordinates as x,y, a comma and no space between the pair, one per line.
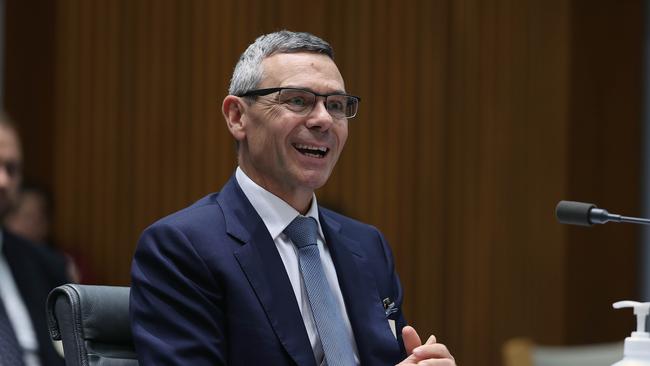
277,215
17,312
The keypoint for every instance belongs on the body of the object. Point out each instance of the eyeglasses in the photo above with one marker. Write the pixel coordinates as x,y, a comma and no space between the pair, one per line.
302,101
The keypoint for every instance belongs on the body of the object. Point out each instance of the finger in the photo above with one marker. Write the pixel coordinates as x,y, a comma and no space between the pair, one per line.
443,362
435,351
411,339
431,340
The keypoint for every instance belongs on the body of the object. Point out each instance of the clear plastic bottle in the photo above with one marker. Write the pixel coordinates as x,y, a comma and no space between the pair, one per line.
636,351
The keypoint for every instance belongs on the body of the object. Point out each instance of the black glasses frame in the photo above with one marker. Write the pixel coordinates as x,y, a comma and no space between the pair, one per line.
267,91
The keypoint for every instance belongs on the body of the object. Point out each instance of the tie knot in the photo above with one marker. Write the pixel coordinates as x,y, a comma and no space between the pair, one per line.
302,231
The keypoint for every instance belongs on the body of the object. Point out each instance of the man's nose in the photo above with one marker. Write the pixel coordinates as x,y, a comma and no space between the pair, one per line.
319,117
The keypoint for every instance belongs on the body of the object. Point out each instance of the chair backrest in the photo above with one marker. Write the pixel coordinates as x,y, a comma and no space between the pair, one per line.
523,352
93,323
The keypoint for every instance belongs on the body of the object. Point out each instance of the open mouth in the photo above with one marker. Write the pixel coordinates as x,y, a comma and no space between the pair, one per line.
312,151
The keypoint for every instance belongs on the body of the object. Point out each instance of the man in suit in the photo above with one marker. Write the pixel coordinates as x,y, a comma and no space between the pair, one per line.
27,273
259,273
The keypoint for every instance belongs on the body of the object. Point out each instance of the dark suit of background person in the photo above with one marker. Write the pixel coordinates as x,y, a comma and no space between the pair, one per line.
210,285
35,269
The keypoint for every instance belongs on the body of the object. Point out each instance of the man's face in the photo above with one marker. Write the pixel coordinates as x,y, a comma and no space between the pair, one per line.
29,218
275,149
10,168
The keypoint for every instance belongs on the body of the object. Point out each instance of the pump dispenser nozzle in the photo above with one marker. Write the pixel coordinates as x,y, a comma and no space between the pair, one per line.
641,310
637,346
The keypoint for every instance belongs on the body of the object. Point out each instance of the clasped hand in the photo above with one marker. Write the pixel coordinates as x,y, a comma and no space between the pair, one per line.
430,353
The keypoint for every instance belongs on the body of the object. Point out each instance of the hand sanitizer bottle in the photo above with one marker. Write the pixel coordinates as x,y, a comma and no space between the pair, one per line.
636,351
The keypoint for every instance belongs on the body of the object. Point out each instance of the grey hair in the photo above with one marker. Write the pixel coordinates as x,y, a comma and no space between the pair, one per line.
248,71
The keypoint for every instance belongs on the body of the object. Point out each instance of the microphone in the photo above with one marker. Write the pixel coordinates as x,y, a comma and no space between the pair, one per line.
587,214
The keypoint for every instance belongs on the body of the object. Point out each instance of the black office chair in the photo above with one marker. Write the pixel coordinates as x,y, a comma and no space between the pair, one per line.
93,323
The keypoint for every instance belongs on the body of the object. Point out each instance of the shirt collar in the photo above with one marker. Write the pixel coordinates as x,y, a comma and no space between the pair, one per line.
275,213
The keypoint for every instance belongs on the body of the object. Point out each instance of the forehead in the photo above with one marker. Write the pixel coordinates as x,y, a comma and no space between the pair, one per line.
303,69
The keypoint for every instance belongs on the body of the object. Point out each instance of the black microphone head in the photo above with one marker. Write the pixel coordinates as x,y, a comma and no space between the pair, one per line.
574,213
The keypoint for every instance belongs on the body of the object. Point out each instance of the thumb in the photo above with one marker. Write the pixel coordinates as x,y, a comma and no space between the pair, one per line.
411,339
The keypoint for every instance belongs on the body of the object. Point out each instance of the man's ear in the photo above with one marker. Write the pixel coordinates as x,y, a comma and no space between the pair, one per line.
233,110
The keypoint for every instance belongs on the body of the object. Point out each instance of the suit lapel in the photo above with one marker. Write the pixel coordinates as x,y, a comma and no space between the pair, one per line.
365,310
261,262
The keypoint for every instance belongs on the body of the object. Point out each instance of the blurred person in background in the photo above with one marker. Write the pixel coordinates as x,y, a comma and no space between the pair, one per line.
30,215
27,273
31,218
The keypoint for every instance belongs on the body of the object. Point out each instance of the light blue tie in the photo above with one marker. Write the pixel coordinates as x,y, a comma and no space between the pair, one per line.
337,347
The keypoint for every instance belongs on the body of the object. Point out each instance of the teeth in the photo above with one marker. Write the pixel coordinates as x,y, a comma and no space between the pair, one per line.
311,147
314,155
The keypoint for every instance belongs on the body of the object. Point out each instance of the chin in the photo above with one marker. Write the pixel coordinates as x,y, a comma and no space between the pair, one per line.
315,182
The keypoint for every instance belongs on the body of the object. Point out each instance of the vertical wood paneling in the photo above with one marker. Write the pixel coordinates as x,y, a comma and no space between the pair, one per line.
430,271
28,78
477,117
605,168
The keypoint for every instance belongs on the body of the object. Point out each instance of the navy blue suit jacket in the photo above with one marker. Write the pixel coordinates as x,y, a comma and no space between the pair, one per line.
209,288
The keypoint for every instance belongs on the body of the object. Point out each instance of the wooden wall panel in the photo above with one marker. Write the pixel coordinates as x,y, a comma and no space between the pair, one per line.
605,135
28,85
477,117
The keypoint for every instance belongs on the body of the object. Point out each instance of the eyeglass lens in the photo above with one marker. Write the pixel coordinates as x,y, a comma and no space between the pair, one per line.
302,101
